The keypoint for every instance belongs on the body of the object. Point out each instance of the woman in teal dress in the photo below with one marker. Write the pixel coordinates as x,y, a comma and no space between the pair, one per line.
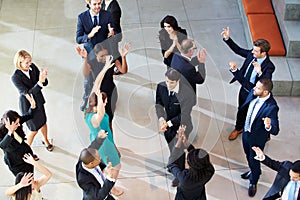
98,120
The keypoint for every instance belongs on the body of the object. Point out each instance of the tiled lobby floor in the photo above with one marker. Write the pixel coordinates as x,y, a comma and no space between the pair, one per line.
47,30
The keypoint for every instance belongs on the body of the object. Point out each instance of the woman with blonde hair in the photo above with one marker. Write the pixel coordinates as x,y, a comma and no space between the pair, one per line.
28,79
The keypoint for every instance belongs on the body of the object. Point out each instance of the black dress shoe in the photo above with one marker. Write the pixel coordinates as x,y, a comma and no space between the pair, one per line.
175,182
246,175
252,190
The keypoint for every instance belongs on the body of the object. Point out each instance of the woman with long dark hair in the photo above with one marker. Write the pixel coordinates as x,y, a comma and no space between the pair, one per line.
13,139
170,37
26,187
192,180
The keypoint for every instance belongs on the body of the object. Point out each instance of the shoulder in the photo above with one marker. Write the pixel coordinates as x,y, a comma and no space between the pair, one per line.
104,14
85,13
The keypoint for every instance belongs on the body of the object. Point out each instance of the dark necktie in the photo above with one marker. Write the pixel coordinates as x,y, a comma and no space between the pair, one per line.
95,21
100,173
250,70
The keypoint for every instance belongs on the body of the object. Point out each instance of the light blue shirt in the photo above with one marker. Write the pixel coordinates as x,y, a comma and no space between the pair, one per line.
254,73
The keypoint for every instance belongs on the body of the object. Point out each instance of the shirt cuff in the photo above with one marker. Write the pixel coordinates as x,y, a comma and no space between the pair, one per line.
110,179
169,123
260,158
268,129
41,85
233,70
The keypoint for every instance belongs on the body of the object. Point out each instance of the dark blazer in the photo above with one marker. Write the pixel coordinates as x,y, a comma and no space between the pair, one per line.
259,134
85,26
115,11
188,189
188,70
29,86
92,189
267,67
13,150
166,43
281,180
178,110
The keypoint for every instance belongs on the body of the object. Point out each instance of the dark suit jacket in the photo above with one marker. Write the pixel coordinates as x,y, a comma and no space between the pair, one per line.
178,110
92,189
13,150
259,134
188,71
85,26
29,86
281,180
188,189
115,11
267,67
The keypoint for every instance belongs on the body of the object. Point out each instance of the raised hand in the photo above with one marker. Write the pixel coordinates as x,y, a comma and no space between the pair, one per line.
43,75
258,152
233,66
201,55
267,122
226,33
28,158
27,179
31,100
102,134
108,62
94,31
125,49
81,51
11,126
257,67
111,31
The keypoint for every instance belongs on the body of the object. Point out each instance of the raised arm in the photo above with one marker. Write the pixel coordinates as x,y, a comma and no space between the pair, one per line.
100,76
38,183
123,68
25,181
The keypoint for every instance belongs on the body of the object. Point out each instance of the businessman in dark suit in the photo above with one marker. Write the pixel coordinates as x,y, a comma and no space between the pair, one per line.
186,64
261,120
94,26
89,174
257,65
287,181
174,103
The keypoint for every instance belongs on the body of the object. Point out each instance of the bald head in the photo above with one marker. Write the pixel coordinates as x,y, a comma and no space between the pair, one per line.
88,155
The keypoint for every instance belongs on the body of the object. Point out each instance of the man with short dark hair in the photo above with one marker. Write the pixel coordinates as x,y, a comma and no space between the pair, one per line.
174,103
287,181
257,65
261,121
89,175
